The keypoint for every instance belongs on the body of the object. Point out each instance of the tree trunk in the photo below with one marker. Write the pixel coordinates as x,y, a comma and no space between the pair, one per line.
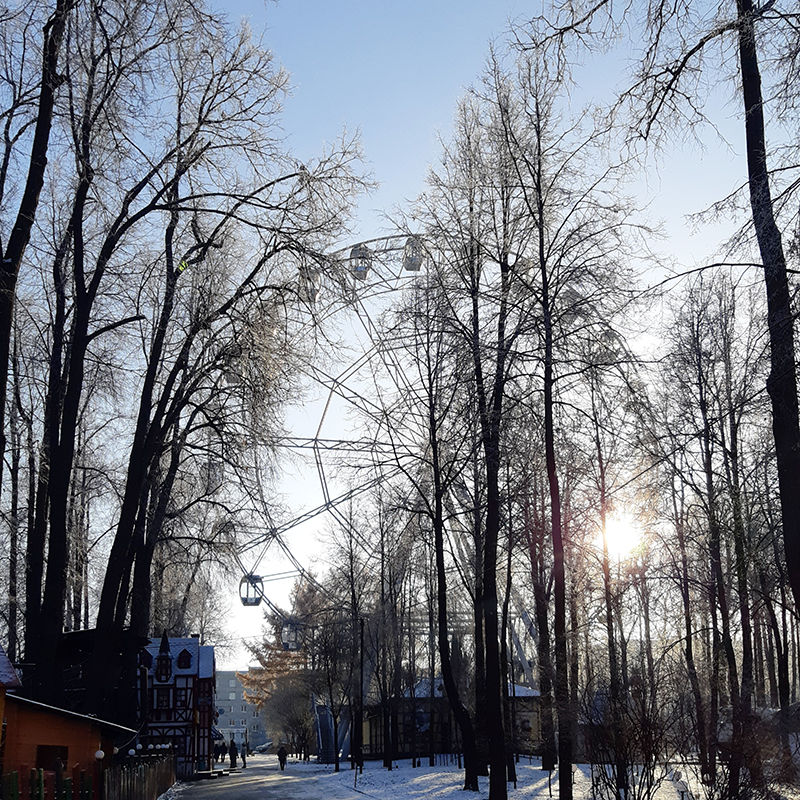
620,764
13,531
788,770
494,690
335,741
782,381
26,215
505,666
535,531
694,682
481,737
432,681
758,661
459,710
559,576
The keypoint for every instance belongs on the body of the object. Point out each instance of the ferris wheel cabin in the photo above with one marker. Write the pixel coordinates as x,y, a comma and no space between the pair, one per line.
290,635
360,261
251,590
413,254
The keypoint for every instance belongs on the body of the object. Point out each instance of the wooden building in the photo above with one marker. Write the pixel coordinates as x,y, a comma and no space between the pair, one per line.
524,706
52,746
8,679
178,701
424,716
38,736
423,719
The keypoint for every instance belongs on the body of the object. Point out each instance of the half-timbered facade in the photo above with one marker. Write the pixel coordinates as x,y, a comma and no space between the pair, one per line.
179,701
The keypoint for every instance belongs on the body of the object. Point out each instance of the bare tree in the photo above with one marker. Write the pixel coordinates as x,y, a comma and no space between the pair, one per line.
21,91
576,263
686,47
337,671
166,115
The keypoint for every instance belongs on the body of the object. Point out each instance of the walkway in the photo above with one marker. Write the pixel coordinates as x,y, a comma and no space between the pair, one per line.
263,780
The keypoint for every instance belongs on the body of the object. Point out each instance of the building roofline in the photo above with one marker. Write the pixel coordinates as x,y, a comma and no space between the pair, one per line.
101,723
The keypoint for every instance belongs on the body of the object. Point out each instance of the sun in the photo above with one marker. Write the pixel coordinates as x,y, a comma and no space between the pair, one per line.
622,535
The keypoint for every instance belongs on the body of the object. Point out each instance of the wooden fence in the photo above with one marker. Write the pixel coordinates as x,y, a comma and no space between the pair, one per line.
39,784
144,781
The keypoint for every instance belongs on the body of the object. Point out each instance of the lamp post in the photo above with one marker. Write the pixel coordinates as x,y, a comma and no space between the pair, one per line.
360,755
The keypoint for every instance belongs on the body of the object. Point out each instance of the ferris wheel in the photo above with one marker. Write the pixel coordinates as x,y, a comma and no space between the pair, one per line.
378,269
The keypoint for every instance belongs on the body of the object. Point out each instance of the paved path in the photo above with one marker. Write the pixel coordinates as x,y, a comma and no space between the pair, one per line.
263,780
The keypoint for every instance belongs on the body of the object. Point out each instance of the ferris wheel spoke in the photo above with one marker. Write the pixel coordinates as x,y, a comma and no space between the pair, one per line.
374,285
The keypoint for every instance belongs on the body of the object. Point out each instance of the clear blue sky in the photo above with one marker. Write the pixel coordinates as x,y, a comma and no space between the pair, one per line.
393,70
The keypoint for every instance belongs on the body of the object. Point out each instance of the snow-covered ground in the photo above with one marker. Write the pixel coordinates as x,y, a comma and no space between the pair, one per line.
311,781
446,783
262,780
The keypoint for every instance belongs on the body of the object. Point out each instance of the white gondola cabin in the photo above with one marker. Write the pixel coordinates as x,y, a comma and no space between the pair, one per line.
360,261
413,254
310,285
251,590
290,635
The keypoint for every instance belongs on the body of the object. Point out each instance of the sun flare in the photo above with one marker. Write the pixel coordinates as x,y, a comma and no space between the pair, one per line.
622,535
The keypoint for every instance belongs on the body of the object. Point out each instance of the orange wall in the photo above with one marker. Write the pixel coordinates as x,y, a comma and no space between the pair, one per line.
26,728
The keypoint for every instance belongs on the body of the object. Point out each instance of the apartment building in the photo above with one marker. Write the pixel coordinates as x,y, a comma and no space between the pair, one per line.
237,719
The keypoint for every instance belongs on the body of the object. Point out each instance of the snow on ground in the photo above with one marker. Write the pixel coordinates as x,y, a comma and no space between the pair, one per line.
310,781
262,780
446,783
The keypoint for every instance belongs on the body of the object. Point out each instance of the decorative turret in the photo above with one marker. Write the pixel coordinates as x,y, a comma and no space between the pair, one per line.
164,661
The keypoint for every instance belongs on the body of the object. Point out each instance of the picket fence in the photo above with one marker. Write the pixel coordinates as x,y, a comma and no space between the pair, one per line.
141,781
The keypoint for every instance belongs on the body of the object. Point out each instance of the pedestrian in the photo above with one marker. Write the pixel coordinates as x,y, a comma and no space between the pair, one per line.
244,755
282,757
233,752
223,751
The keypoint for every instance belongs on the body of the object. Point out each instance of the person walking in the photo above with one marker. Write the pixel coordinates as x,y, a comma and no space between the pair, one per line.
233,752
282,757
223,752
243,754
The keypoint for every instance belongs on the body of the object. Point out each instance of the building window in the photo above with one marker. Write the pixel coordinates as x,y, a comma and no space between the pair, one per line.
231,696
244,723
51,757
184,659
231,683
163,667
